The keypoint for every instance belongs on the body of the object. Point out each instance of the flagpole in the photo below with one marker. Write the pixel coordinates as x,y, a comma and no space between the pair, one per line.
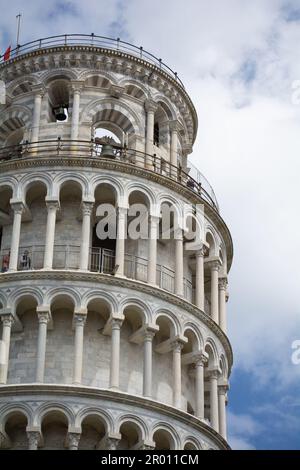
18,30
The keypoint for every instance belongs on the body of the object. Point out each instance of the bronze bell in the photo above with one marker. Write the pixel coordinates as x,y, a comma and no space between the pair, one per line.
107,151
60,113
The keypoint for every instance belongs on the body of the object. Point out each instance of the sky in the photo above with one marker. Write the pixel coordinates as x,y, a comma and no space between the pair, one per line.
240,63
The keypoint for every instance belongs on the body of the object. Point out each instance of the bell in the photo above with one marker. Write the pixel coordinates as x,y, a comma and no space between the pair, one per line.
107,151
60,113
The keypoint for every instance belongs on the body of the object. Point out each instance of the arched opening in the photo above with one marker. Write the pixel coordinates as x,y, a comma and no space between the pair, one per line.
210,365
163,360
136,245
68,227
92,434
12,133
5,226
188,371
22,356
59,100
163,440
104,230
15,428
190,446
96,357
31,255
131,378
131,436
60,341
54,431
113,123
161,127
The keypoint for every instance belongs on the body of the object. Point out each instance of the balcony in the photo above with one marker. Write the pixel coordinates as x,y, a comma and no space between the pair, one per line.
92,40
101,260
95,150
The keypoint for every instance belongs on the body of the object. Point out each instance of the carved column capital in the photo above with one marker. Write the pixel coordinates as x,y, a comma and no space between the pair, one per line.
151,106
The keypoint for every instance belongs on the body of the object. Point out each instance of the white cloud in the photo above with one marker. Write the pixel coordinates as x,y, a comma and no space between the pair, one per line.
242,428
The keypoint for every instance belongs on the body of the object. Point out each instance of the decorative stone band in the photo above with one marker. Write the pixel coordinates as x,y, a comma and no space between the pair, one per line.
129,284
25,392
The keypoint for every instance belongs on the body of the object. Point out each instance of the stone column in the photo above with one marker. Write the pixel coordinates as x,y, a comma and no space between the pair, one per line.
52,207
152,249
179,262
33,439
214,405
199,385
74,438
87,208
120,244
79,321
214,298
150,107
112,443
39,92
200,298
222,390
147,373
18,208
76,88
177,347
174,128
116,324
7,321
222,303
43,317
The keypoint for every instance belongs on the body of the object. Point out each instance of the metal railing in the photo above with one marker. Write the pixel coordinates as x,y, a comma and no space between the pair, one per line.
92,40
93,149
101,260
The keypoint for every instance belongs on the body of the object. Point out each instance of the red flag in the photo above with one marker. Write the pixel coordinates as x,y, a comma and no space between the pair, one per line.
7,53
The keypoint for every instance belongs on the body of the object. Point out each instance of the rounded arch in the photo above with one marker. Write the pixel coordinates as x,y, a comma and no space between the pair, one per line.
134,186
115,111
55,293
101,295
60,73
170,317
15,84
9,182
223,367
40,178
114,183
68,177
24,292
163,433
211,239
93,411
47,408
191,443
191,327
212,351
12,408
133,419
134,88
166,105
140,305
14,118
87,74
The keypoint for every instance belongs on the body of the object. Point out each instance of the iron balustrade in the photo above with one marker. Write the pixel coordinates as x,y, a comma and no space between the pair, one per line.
92,40
93,149
101,260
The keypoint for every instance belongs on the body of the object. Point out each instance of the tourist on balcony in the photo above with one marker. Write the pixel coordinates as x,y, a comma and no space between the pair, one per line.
5,262
25,262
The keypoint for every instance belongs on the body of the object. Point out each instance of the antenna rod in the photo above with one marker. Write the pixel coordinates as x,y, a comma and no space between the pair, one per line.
18,29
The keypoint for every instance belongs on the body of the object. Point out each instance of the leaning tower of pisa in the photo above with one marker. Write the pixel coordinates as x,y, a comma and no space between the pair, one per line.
119,342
